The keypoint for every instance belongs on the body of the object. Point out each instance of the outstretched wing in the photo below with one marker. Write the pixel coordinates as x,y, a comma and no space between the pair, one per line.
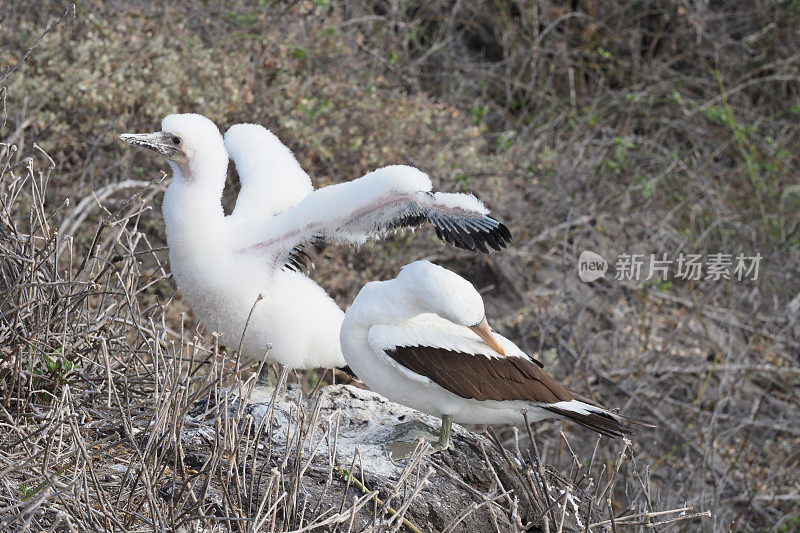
459,219
368,207
271,178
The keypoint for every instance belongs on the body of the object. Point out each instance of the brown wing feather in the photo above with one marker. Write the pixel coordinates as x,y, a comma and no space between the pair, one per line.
506,378
479,377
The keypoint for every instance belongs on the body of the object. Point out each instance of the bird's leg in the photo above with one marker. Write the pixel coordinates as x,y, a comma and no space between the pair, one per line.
444,434
408,436
283,374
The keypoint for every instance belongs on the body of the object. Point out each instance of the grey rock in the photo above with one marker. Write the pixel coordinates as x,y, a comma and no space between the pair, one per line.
304,445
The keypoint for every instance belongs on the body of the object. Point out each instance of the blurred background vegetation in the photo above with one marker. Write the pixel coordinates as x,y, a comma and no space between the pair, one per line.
618,127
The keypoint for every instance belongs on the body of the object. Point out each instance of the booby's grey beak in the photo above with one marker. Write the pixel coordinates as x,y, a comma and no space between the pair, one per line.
159,141
483,331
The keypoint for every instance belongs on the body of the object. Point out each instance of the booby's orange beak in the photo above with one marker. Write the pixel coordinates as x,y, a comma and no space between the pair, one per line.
483,331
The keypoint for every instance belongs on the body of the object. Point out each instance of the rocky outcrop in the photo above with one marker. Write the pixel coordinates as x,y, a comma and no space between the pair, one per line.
304,451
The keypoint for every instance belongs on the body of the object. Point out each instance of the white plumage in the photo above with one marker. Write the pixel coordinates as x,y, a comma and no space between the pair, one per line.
221,285
222,263
272,180
422,340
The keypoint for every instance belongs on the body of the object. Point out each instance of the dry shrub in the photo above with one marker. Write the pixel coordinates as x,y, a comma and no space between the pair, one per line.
633,127
114,421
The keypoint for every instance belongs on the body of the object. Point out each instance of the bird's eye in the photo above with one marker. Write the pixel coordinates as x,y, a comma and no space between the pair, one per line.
176,141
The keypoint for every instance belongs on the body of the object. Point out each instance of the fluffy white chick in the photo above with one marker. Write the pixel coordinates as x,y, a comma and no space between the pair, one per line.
220,283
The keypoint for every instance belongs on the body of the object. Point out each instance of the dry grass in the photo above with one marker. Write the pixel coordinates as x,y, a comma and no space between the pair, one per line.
615,127
112,421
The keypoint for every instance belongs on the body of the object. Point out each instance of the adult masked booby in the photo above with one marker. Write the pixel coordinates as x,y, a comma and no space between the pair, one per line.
422,340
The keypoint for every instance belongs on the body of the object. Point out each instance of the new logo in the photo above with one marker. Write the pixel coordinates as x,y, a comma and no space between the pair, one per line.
591,266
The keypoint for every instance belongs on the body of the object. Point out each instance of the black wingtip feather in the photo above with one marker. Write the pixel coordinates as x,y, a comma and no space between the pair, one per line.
504,232
603,422
480,242
473,234
493,241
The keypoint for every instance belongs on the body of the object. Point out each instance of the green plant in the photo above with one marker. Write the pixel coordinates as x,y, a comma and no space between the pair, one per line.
477,113
503,141
24,492
462,180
